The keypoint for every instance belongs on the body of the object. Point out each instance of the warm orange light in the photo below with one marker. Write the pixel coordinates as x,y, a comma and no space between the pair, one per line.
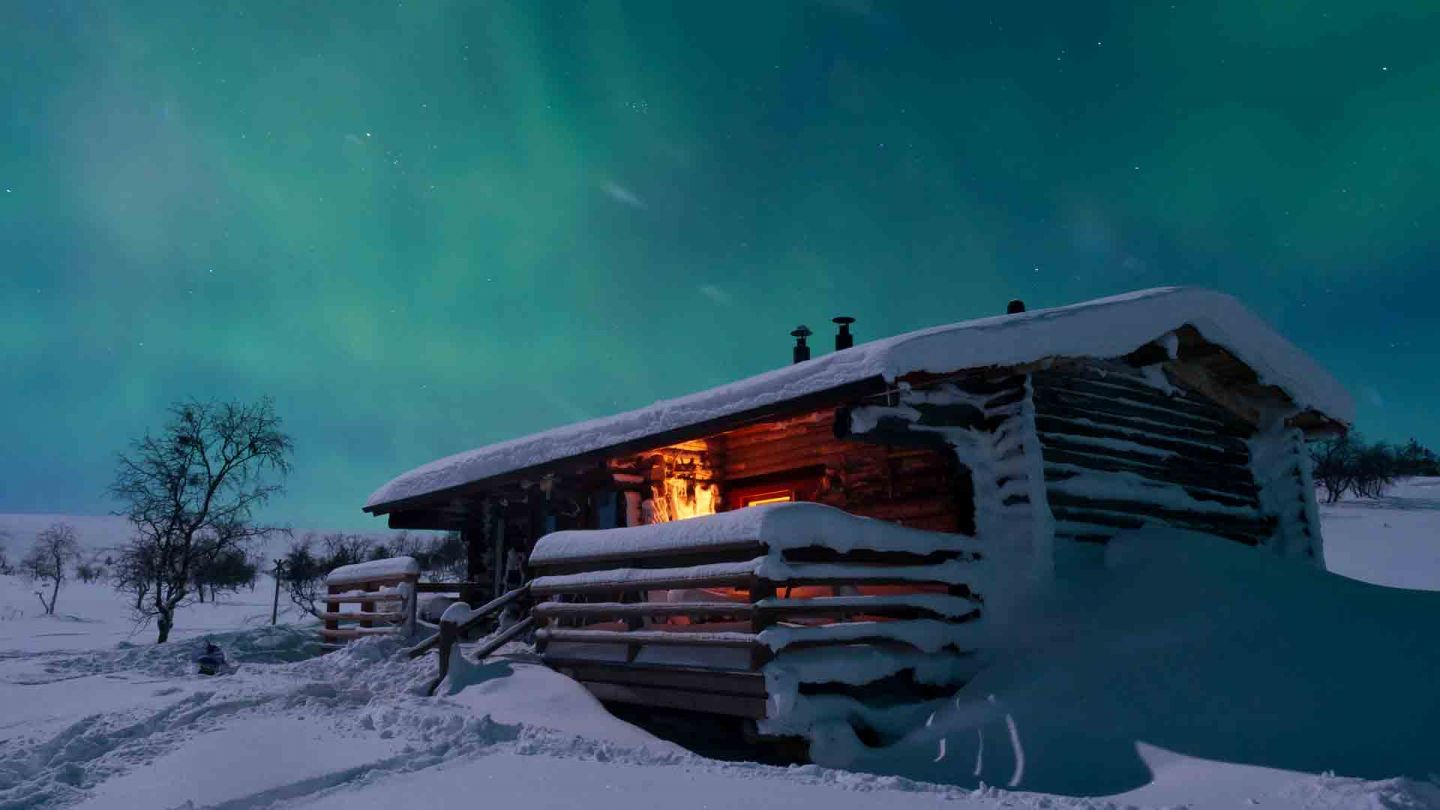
770,497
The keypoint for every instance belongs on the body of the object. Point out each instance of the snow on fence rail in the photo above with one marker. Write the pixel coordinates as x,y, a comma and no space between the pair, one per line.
734,613
384,593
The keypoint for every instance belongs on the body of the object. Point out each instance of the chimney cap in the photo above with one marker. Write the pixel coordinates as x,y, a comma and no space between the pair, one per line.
843,320
801,331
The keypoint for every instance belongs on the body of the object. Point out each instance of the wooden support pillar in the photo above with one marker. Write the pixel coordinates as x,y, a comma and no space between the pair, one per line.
760,654
473,535
495,528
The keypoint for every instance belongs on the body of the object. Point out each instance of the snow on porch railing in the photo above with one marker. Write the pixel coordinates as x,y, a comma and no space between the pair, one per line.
384,592
792,592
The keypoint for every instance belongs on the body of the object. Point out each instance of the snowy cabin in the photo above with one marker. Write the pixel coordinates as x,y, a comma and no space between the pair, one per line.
835,538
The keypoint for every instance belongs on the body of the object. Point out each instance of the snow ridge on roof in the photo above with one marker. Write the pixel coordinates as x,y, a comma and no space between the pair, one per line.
1103,328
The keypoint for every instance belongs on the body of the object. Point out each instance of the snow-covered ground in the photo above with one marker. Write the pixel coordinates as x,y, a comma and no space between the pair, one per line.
1209,677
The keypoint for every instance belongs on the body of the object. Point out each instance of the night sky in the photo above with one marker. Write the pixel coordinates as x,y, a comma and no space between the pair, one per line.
422,227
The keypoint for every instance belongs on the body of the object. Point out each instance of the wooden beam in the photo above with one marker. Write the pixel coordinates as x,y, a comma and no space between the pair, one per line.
552,635
606,610
734,705
699,679
386,616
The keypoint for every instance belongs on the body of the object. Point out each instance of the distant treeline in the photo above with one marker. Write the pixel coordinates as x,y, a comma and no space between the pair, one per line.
1352,465
310,558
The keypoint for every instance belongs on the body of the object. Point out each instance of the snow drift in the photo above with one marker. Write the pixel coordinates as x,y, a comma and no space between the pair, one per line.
1198,646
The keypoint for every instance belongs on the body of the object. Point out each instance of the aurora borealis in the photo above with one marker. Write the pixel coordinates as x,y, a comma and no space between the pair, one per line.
422,227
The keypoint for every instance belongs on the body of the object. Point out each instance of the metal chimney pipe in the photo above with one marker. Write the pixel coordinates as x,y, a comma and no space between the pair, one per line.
843,338
802,350
1015,306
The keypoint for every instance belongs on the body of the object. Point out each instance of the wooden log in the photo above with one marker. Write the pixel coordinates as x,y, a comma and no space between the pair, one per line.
814,433
613,610
362,598
891,431
1234,481
387,616
512,632
1120,521
1112,381
1256,523
1076,408
445,639
449,587
710,703
1050,426
860,556
553,635
656,583
478,615
657,558
1046,406
1056,475
699,679
355,632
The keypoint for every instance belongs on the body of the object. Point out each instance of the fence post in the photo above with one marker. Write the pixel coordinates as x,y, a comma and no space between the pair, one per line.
448,633
412,601
275,605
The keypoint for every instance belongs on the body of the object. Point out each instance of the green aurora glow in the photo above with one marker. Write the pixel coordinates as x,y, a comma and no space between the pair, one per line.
423,227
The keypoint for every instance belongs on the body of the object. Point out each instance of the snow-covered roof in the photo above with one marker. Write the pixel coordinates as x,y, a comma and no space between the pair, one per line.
1105,328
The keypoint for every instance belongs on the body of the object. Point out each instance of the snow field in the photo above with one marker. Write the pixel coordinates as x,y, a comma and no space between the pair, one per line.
1199,658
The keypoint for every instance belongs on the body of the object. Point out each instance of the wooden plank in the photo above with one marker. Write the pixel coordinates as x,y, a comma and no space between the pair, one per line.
551,635
356,632
1234,481
1256,523
494,643
602,610
477,616
674,557
734,705
1120,521
448,587
656,583
1072,407
1056,426
389,616
700,679
860,556
369,582
363,598
873,606
1209,415
1056,475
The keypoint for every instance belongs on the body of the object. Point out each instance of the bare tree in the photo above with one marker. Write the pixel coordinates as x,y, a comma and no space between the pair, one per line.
54,549
190,494
1333,465
4,561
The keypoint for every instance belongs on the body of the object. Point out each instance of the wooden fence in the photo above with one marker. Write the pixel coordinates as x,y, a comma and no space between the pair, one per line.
384,594
692,625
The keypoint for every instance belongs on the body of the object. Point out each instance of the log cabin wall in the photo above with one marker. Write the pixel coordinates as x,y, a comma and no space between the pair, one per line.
985,420
921,487
1120,452
1281,461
